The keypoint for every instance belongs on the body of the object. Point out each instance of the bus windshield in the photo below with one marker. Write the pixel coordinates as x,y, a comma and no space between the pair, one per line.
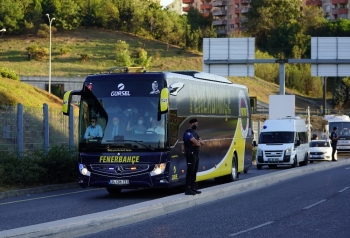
343,128
276,137
117,115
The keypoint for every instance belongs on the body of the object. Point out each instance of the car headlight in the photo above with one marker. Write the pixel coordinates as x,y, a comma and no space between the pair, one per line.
83,170
288,151
259,152
158,169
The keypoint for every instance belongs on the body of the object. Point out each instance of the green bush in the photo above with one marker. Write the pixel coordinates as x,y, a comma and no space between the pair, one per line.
84,58
8,73
38,53
58,166
64,50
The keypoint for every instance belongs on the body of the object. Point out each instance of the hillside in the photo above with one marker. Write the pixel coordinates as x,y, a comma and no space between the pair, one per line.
99,45
13,92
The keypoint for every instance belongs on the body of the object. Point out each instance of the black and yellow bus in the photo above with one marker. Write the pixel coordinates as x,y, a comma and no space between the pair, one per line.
154,158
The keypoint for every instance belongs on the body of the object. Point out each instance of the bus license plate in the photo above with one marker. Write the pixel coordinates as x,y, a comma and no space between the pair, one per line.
119,181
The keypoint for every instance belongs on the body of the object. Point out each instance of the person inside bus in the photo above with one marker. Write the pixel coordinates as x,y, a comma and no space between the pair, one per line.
130,110
116,128
156,128
93,131
139,128
113,108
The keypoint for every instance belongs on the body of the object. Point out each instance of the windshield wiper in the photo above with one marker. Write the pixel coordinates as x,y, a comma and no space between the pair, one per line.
139,142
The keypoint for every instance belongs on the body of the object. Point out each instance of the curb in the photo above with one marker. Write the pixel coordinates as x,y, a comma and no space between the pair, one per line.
48,188
92,223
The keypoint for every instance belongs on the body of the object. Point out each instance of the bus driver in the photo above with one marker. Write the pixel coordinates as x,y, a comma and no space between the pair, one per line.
93,130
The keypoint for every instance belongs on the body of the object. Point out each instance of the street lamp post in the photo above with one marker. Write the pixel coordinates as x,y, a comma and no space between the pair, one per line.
50,23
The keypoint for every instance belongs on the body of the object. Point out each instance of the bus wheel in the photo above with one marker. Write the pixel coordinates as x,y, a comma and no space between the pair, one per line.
114,191
234,174
259,166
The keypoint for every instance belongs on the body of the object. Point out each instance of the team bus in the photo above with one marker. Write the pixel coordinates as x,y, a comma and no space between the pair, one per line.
342,122
167,101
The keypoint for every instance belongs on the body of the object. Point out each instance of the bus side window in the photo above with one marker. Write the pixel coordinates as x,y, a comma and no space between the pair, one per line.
173,127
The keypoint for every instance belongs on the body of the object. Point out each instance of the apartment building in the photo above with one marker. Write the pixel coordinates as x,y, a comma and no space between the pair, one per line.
333,9
228,15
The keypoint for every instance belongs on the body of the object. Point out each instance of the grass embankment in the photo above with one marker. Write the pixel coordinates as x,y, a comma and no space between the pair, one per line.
99,45
13,92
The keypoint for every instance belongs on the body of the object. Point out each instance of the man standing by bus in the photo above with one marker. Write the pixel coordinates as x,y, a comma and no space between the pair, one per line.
192,142
334,141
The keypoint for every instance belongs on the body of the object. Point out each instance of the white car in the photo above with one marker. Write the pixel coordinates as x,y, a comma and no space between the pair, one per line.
320,150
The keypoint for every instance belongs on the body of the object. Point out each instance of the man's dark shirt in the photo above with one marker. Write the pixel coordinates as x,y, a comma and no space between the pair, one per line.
334,135
187,143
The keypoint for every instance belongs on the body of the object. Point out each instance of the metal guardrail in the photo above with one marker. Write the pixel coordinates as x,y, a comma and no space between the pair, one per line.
313,112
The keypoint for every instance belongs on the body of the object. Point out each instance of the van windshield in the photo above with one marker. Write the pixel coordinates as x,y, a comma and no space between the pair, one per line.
276,137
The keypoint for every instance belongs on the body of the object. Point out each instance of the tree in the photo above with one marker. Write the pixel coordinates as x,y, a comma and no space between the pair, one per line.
272,23
11,14
122,53
68,15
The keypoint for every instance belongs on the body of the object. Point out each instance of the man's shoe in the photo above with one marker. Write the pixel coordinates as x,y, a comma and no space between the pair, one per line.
196,191
190,192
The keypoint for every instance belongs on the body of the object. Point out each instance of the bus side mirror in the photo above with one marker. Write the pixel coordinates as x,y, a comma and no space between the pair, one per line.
164,100
67,99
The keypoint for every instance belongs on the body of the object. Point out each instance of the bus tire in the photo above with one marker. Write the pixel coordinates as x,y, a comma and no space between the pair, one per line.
258,166
114,191
234,172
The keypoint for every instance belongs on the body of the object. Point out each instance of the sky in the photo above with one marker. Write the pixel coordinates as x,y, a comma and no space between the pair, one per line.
165,2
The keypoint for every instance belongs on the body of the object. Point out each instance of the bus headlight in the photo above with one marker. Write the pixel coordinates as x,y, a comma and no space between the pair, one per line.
158,169
83,170
288,151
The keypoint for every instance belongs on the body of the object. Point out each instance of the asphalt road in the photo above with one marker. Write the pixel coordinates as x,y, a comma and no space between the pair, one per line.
77,210
38,208
314,205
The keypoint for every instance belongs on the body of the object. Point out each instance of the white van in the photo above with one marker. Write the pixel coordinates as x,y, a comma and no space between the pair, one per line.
283,141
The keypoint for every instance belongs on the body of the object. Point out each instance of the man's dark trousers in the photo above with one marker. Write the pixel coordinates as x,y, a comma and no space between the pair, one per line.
192,161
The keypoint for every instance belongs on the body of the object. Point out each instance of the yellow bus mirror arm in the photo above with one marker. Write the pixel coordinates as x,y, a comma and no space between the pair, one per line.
164,100
67,100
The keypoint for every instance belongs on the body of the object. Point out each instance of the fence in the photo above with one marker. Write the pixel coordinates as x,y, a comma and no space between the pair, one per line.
304,112
29,129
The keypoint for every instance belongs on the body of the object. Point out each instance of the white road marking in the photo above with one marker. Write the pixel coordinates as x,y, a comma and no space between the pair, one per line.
253,228
31,199
346,188
312,205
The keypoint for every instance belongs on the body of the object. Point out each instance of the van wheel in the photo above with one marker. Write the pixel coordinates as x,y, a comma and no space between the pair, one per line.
295,162
306,160
234,174
258,166
114,191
